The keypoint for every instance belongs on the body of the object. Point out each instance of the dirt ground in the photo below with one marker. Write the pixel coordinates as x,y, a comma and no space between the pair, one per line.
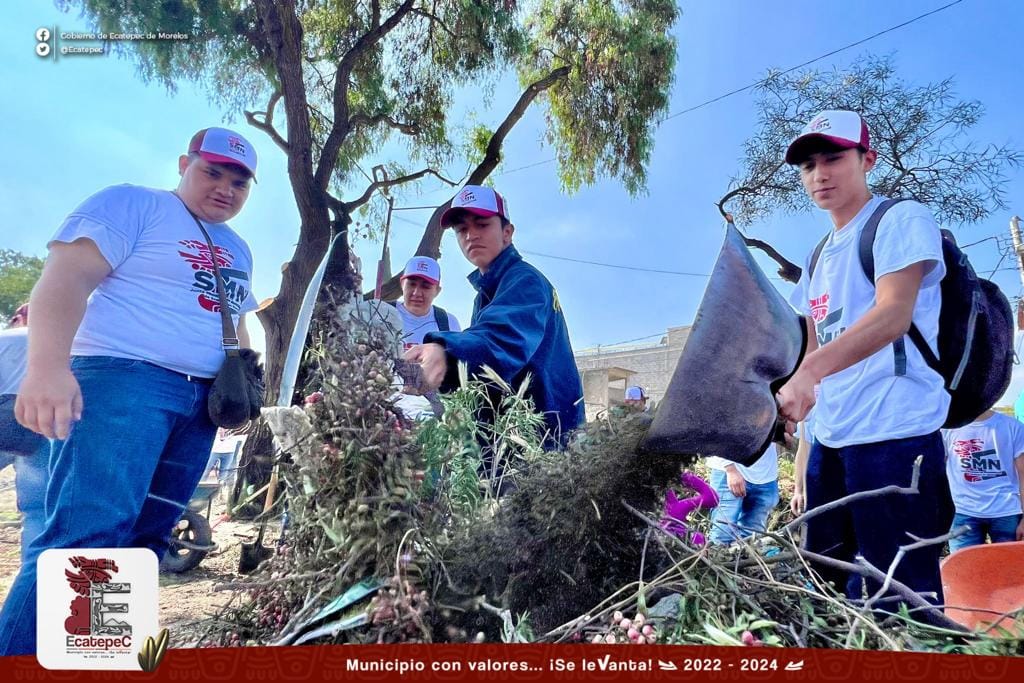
184,598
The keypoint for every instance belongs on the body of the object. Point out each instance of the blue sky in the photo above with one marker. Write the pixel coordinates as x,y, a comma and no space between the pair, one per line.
82,123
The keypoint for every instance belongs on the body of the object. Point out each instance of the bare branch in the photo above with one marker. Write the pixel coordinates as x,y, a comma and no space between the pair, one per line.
367,120
860,495
267,123
430,243
341,128
435,20
384,184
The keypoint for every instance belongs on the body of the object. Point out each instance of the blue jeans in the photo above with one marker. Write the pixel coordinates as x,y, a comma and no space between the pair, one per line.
876,527
735,517
31,473
226,463
999,529
123,476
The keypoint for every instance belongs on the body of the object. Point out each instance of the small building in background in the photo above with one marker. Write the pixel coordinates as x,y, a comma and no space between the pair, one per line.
607,370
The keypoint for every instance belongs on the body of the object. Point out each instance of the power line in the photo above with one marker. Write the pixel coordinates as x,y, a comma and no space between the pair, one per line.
757,83
812,61
613,265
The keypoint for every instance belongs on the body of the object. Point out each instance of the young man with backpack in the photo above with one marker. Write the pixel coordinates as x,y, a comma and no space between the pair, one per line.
880,405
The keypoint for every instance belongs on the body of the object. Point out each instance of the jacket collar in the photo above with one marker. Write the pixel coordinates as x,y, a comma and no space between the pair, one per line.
502,262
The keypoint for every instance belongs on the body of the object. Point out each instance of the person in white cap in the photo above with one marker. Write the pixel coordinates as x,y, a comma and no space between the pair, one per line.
421,283
636,398
517,328
125,341
880,406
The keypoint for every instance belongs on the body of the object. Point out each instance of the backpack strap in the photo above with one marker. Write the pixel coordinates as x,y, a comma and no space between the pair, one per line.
441,318
815,255
867,237
867,263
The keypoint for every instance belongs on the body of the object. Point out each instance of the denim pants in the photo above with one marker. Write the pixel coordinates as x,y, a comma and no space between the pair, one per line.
123,476
31,472
876,527
735,518
226,464
999,529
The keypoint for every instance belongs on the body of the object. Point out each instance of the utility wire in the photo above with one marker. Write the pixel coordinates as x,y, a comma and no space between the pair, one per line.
763,80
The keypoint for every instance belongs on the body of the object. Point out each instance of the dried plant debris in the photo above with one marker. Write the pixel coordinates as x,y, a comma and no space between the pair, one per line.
458,529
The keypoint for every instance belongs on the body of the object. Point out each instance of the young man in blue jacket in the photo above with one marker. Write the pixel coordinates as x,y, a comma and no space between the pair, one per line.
517,328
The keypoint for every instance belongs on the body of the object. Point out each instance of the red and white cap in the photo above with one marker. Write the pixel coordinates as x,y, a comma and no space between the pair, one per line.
223,146
837,129
479,200
423,267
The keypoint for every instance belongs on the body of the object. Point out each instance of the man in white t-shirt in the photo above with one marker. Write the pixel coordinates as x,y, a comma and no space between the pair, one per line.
746,495
985,466
421,283
880,405
125,341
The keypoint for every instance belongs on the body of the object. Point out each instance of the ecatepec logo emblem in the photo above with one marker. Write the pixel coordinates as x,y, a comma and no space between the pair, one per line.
92,612
96,607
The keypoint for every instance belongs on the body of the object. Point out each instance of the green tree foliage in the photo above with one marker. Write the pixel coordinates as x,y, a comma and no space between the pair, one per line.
372,82
18,274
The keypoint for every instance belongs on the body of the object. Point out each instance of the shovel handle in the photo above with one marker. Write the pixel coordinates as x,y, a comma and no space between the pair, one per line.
271,490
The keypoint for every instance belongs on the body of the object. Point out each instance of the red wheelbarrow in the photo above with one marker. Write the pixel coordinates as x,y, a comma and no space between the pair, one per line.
983,584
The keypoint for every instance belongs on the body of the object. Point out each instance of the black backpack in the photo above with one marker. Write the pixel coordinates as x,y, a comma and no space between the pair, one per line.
975,328
440,317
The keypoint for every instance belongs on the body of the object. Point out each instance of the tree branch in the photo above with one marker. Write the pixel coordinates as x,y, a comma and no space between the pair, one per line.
430,243
435,20
267,124
341,127
860,495
383,184
367,120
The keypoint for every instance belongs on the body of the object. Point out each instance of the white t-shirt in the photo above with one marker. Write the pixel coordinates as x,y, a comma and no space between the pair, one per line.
764,470
414,327
159,303
980,466
882,397
13,358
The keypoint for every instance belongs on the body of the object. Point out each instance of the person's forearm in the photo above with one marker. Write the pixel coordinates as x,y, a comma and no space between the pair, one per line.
58,306
879,327
1018,464
803,451
244,342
